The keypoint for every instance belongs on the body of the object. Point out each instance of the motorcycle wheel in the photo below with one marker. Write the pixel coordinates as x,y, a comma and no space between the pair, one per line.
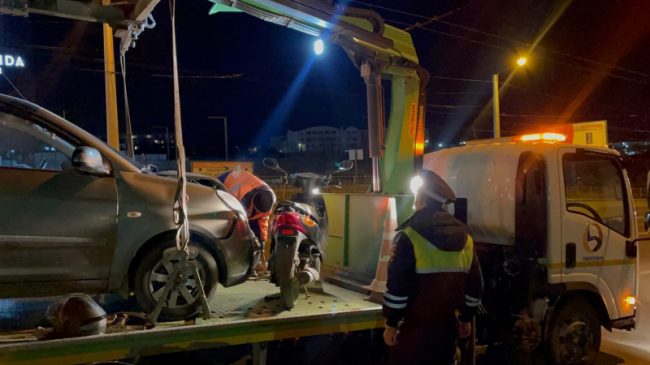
289,292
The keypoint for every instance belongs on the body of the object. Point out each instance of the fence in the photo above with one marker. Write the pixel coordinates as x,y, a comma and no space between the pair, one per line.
363,183
347,184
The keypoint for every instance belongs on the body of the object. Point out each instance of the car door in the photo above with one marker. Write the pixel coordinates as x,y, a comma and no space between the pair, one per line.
57,224
596,226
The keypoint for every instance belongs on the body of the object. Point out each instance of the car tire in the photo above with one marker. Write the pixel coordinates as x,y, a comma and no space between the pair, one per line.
574,333
150,279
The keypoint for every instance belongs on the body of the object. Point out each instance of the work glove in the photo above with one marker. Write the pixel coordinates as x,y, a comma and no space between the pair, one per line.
390,336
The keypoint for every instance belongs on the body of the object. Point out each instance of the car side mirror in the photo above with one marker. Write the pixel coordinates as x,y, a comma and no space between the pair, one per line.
89,160
646,221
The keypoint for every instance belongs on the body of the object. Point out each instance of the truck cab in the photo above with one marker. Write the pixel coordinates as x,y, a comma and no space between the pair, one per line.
556,235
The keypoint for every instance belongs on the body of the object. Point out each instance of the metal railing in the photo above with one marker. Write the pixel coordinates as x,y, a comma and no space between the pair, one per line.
347,184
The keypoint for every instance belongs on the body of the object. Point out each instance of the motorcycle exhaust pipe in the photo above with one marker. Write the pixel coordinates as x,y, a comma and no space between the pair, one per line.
308,276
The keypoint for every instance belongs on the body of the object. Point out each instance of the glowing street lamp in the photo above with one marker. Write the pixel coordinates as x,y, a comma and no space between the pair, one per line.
521,61
319,47
496,117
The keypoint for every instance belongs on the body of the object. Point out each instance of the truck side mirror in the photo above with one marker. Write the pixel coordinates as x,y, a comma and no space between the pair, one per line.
89,160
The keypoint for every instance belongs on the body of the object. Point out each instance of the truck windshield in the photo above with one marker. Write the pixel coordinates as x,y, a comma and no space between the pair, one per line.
594,187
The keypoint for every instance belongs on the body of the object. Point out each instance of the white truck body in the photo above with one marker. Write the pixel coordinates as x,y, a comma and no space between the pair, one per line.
568,209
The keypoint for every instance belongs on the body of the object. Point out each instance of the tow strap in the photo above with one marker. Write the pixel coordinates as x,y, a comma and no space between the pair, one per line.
181,254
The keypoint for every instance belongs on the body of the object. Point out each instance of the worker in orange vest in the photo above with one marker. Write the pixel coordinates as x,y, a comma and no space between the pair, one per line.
257,199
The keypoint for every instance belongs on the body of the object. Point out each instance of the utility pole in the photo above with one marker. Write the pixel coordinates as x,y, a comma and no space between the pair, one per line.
225,130
495,106
112,128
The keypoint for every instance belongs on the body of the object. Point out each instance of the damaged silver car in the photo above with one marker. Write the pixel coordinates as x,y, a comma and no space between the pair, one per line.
76,216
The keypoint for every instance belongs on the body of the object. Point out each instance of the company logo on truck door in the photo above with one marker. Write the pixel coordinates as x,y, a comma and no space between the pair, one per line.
592,240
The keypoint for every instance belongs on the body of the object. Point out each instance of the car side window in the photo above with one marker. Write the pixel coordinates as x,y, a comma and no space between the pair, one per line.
594,187
28,145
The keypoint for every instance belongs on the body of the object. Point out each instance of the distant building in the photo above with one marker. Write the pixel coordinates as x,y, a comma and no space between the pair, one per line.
154,143
322,139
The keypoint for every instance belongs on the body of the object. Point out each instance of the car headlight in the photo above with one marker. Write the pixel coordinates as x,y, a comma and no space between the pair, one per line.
416,184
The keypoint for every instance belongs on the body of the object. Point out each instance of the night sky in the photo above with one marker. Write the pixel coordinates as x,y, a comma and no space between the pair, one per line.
592,64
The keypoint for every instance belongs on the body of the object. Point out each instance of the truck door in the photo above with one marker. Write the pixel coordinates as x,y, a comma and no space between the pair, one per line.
596,227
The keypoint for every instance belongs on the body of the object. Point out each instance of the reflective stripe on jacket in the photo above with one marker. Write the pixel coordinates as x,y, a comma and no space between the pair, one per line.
433,272
430,259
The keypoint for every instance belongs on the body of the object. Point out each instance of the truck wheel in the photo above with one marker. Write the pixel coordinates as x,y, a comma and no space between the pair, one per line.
183,301
574,335
289,292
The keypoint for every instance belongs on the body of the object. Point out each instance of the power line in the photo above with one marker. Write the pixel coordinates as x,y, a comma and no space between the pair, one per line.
12,85
441,106
594,70
187,76
449,35
523,89
435,18
496,36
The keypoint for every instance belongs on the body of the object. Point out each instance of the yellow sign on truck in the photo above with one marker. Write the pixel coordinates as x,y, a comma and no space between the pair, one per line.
593,134
216,168
589,133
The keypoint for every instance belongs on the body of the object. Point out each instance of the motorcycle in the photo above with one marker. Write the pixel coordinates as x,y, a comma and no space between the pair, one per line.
299,229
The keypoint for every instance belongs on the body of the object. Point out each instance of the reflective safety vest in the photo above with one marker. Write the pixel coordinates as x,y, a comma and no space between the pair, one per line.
430,259
240,183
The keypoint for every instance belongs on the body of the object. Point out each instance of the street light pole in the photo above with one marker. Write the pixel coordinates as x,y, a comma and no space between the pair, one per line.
495,106
496,115
225,130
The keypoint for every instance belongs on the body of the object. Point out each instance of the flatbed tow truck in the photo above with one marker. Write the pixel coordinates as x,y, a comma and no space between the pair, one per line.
358,231
241,315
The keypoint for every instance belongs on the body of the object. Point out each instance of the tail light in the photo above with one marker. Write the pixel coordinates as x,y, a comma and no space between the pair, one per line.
288,224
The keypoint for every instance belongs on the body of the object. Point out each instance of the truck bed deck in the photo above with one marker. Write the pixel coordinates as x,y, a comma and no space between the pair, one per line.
241,315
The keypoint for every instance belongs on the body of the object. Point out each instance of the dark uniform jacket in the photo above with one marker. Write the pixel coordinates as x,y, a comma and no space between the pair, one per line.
432,274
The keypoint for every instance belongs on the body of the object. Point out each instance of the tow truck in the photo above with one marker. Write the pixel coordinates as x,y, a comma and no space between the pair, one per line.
358,221
380,51
557,236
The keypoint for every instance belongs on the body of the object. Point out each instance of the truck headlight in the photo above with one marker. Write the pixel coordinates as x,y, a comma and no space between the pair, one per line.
416,184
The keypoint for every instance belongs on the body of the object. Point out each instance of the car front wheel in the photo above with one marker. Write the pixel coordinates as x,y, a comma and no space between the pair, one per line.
183,301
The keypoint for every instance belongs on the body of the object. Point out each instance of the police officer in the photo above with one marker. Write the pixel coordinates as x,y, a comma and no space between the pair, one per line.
434,280
258,200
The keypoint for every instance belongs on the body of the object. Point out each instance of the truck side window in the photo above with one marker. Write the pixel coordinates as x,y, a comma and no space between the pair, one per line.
593,187
27,145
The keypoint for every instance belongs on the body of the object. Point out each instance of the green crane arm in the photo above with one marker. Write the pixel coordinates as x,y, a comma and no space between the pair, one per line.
380,51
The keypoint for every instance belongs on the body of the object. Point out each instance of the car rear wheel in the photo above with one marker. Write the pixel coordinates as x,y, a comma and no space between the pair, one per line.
183,301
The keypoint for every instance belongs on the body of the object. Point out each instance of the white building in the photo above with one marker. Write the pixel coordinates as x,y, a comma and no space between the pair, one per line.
322,139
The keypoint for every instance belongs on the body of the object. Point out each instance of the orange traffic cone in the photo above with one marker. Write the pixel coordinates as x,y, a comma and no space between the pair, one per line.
378,286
